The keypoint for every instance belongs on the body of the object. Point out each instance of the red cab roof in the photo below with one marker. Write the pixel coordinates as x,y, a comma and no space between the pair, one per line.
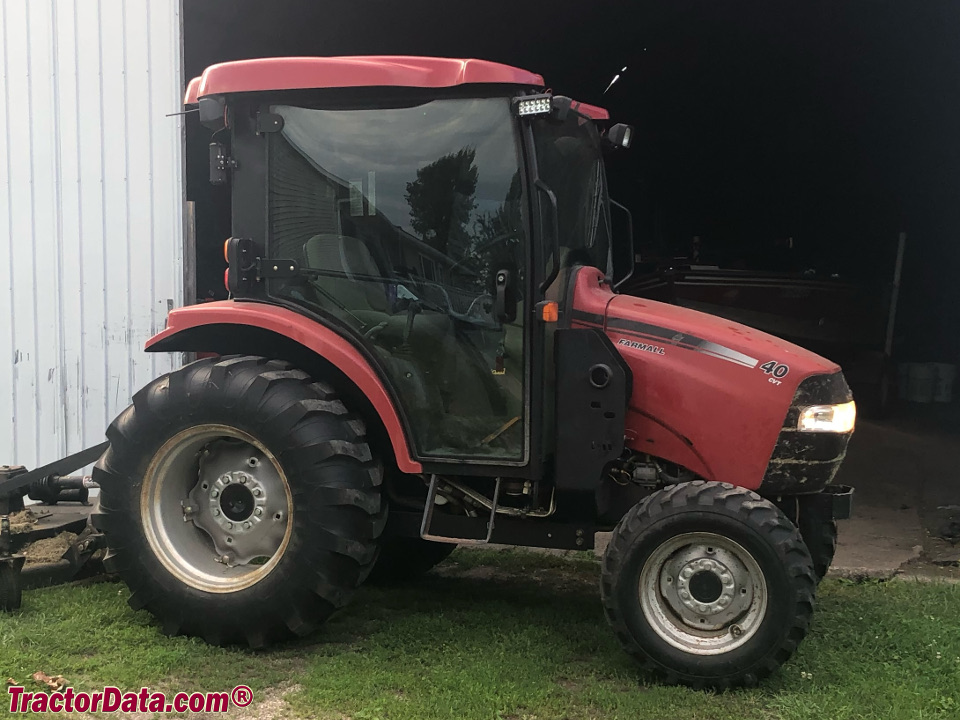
300,73
191,96
591,111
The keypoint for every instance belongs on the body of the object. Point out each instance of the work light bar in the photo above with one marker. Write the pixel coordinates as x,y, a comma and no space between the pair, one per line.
534,105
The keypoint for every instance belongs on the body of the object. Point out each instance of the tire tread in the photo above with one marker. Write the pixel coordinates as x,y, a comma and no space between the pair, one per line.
335,476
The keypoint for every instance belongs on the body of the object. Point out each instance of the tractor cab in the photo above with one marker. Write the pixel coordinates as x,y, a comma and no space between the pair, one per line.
428,210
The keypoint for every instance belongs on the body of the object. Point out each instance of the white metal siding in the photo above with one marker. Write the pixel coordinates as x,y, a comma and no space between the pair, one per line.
91,202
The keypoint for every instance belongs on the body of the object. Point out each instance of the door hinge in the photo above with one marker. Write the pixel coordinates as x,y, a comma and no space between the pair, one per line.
269,123
220,164
276,268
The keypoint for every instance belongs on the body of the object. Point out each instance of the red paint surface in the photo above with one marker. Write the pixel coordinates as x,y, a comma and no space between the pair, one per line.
190,96
308,333
300,73
591,111
715,417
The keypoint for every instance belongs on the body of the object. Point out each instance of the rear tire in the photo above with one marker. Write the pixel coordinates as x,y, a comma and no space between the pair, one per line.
239,500
405,559
708,585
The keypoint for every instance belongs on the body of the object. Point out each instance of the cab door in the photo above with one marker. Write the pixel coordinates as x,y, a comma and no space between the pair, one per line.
409,225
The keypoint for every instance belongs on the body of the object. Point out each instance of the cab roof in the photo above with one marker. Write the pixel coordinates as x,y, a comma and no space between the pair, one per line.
302,73
297,73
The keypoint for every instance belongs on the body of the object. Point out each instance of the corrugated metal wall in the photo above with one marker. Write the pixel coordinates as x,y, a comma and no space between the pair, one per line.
91,204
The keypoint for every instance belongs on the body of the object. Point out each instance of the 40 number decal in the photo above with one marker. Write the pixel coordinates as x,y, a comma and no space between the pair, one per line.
778,370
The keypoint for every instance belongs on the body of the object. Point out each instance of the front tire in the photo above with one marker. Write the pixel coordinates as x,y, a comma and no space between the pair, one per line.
239,500
708,585
820,536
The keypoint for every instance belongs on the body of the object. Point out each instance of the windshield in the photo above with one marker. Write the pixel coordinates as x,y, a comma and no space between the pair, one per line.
401,218
569,161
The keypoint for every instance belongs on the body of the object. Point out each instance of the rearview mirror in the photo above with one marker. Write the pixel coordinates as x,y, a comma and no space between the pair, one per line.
619,136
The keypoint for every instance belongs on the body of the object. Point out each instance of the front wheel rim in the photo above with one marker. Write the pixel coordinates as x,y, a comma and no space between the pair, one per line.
703,593
216,508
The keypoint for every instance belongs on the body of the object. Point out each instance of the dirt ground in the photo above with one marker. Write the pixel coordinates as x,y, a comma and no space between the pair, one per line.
911,459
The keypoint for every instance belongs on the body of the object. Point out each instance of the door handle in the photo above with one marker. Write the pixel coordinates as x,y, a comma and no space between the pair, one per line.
505,303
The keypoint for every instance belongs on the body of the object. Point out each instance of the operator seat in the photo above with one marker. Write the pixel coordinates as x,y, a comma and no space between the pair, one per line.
353,277
445,383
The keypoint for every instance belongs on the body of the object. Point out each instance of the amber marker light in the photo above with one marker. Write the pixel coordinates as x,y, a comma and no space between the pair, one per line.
549,311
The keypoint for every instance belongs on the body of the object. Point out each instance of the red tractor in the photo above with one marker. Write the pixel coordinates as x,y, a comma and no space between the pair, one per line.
424,348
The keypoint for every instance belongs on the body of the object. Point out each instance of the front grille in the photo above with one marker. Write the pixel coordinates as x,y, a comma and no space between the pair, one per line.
806,462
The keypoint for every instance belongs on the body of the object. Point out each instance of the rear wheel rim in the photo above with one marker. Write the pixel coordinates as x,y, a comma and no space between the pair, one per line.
703,593
216,508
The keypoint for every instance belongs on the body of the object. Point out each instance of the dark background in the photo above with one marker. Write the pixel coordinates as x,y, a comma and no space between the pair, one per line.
835,123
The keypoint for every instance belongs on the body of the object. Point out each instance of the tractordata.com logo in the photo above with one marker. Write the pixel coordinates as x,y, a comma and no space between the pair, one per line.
112,699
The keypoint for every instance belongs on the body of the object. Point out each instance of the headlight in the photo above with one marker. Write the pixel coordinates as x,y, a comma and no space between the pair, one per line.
828,418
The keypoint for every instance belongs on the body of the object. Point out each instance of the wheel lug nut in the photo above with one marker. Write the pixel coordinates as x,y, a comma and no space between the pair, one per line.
243,479
229,526
216,513
257,492
258,512
215,493
246,526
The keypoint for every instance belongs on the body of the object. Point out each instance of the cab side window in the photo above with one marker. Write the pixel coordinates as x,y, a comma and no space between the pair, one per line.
401,242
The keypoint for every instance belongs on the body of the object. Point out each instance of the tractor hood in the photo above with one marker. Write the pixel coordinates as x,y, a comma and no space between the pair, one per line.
672,326
708,393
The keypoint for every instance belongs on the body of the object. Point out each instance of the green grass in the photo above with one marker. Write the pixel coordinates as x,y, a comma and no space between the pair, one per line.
506,635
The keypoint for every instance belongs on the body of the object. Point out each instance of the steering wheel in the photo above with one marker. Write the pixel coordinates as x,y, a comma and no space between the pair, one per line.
503,237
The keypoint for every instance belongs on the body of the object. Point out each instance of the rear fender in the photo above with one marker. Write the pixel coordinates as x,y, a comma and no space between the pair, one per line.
229,327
